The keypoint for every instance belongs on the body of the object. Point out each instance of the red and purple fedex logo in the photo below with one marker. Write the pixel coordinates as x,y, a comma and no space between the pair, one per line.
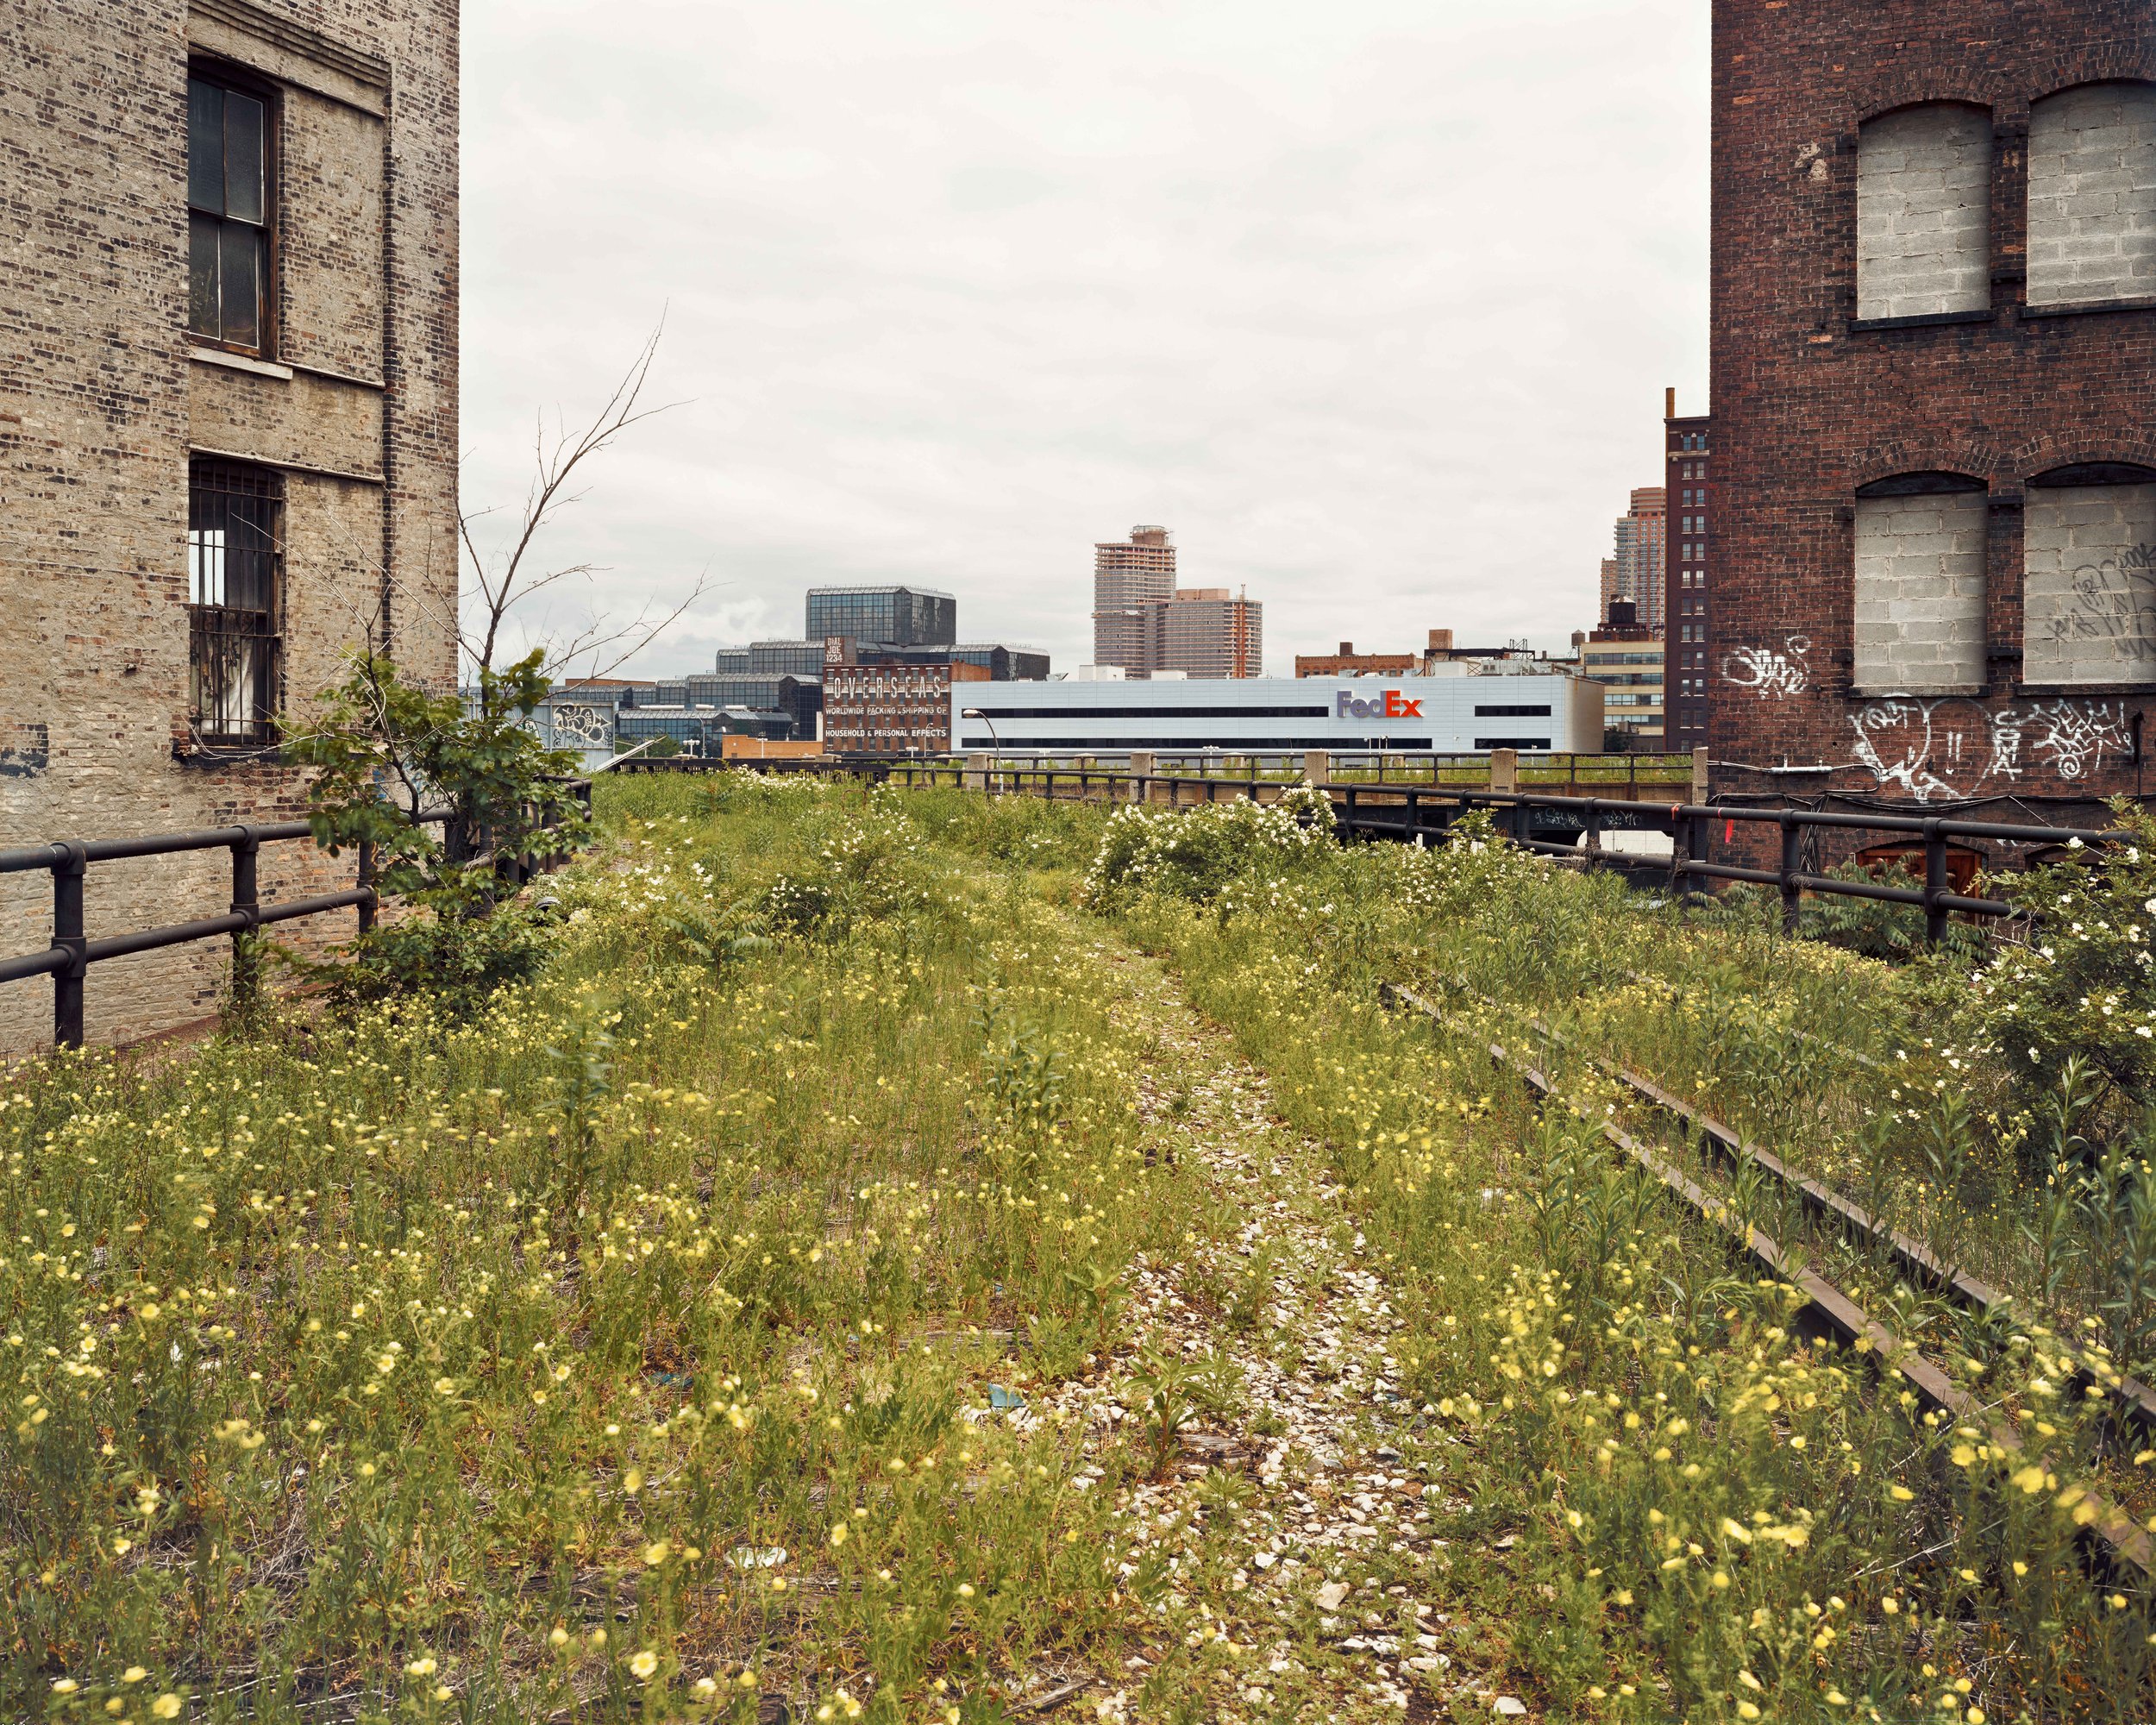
1393,704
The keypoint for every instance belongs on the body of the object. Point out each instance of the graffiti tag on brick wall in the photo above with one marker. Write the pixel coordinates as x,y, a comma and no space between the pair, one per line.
1770,675
2113,600
1953,746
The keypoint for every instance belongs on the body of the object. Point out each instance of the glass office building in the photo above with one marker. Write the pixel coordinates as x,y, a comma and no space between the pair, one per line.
891,617
785,658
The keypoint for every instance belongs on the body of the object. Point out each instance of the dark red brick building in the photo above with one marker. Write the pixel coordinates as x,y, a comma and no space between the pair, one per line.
1933,405
1688,670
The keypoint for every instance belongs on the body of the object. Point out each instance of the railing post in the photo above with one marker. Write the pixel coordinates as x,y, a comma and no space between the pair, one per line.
1140,764
1699,773
366,883
1792,895
1591,841
70,936
1934,882
1349,825
1412,834
246,901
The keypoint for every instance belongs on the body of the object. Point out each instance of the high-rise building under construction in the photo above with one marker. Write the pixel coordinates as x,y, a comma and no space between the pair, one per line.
1143,623
1127,574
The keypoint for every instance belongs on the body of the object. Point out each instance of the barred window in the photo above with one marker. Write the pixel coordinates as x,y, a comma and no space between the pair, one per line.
236,556
227,214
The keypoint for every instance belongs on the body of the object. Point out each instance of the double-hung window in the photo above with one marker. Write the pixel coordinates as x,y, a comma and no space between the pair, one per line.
227,214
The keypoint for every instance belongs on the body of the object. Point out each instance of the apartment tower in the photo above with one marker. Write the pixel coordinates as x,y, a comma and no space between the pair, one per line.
1634,575
1689,678
1126,574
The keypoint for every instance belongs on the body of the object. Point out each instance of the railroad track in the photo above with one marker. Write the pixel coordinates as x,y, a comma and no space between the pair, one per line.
2122,1542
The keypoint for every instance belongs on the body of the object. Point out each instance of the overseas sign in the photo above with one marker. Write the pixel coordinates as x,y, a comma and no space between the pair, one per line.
1391,705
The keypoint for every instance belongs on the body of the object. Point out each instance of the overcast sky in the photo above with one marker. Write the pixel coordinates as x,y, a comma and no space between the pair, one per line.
1371,301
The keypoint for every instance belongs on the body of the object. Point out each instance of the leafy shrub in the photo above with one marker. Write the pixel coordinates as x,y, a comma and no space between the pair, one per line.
458,958
1027,830
865,872
2082,982
1194,854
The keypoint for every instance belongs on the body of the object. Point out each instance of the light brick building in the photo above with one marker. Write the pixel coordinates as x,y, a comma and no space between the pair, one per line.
1933,326
1207,632
228,431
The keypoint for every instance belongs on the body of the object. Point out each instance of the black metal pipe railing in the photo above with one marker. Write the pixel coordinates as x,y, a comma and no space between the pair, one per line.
1413,810
68,959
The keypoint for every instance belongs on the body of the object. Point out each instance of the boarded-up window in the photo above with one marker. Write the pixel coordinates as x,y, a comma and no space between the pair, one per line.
1920,584
2092,195
2089,595
1923,212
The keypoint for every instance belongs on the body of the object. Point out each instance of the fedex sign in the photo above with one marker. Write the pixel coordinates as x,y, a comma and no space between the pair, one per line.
1391,705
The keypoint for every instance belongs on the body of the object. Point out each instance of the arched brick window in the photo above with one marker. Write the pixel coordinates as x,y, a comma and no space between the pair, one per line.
1923,212
1920,584
2088,585
2092,195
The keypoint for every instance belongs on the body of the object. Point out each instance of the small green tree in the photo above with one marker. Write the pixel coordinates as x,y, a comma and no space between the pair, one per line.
450,792
454,791
452,795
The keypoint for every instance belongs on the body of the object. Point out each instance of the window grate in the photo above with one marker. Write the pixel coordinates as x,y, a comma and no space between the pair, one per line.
235,566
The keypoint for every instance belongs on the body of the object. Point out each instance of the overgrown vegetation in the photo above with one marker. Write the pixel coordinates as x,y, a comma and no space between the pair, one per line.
603,1353
678,1326
1706,1514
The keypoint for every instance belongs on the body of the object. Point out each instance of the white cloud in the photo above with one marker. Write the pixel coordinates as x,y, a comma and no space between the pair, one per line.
1372,302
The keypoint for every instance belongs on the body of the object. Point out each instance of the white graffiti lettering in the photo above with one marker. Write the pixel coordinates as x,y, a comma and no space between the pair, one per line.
1893,740
579,727
1921,746
2076,739
1770,675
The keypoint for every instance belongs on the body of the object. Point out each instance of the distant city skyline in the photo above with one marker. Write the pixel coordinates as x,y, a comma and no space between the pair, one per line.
985,287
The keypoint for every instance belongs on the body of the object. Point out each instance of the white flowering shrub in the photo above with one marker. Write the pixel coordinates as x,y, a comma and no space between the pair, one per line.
1197,854
866,871
2083,982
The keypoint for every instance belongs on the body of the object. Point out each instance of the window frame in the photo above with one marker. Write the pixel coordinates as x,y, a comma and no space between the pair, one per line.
207,621
229,75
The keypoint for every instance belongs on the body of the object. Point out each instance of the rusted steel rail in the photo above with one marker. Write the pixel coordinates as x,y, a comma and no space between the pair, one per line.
2124,1543
2136,1400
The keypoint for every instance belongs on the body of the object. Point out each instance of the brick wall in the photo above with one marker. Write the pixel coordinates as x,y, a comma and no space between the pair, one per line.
1835,635
102,400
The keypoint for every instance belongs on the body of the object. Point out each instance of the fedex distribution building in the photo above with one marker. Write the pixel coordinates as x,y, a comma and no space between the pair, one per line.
1263,715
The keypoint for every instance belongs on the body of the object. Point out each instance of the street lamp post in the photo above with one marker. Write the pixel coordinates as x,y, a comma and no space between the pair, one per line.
995,754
